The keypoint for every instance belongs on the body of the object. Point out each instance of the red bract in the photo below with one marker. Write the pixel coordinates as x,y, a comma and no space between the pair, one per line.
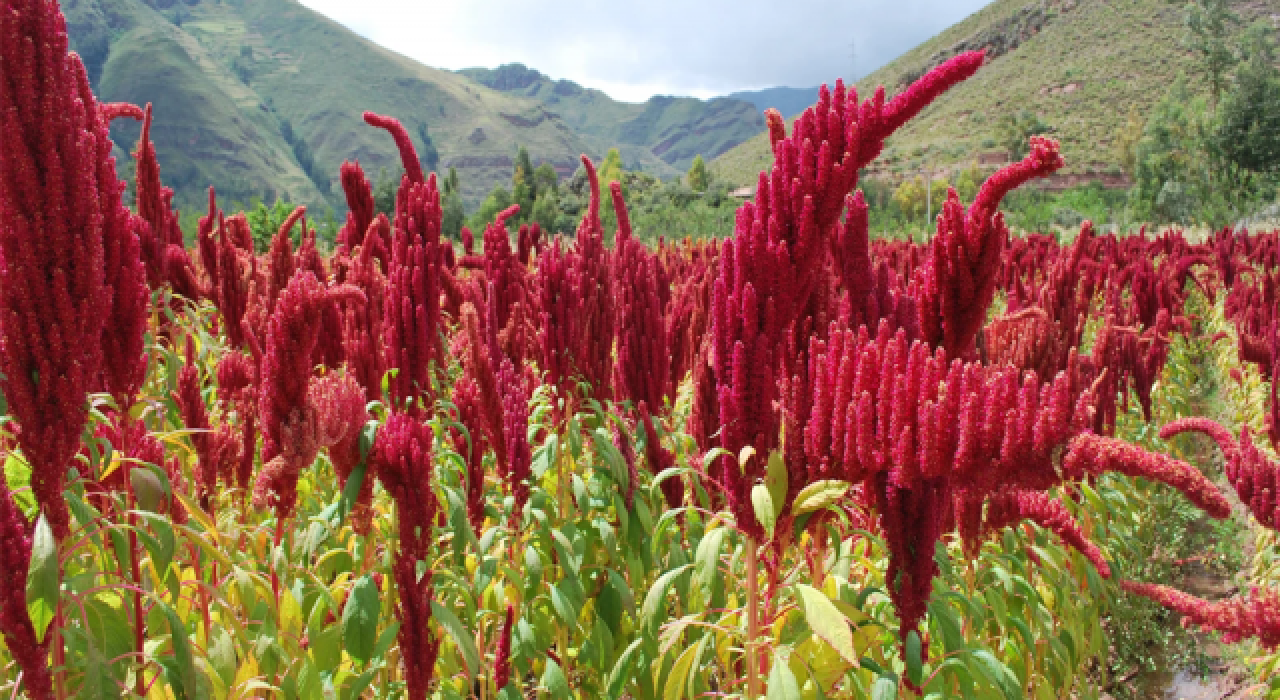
236,271
1094,454
15,622
362,323
408,155
1007,508
515,427
959,281
360,215
195,417
472,445
1257,616
771,266
659,459
594,323
401,459
502,659
59,204
299,415
1248,470
115,110
413,294
643,369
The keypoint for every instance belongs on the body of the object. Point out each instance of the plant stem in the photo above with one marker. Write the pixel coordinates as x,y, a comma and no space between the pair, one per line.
59,655
139,622
753,620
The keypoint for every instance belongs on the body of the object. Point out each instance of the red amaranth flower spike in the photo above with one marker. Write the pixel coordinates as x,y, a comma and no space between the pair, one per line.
1255,477
1009,507
1257,616
502,659
15,622
413,294
195,417
959,282
1094,454
408,155
116,110
472,445
59,202
401,460
659,459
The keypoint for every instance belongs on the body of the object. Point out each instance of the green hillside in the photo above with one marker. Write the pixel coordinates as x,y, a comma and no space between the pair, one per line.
1079,65
661,135
264,97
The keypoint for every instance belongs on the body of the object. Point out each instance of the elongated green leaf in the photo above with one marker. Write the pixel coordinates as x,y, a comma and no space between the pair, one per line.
782,682
826,621
707,559
554,680
913,660
187,684
655,601
42,578
819,495
461,637
97,683
996,673
763,504
678,678
621,672
360,619
776,479
148,489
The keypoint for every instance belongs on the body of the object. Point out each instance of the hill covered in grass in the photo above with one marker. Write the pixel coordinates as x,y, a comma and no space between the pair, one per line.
1080,66
661,135
264,98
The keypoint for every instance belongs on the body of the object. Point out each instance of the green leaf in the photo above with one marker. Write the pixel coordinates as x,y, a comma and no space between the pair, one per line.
707,560
360,619
763,504
187,683
678,679
819,495
782,682
42,578
996,673
621,672
776,479
17,474
351,491
826,621
885,688
461,637
554,680
913,660
653,612
97,683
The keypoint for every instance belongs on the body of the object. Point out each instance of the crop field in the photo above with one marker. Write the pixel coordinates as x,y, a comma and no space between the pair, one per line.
795,463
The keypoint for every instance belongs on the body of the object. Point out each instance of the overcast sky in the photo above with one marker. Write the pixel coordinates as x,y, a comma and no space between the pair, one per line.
633,50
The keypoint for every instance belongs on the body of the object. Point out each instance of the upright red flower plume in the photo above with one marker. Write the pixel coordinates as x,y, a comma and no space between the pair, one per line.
408,155
59,203
413,294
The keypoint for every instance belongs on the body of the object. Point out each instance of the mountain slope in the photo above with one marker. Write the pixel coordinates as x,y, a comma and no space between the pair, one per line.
265,97
661,135
788,101
1080,65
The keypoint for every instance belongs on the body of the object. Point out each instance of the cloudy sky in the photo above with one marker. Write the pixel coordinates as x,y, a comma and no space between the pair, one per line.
633,50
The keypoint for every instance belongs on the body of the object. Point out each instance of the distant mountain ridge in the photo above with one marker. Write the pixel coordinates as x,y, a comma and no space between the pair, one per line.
264,97
788,101
662,131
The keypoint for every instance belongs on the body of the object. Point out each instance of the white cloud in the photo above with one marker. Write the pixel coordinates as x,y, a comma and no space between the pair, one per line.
635,50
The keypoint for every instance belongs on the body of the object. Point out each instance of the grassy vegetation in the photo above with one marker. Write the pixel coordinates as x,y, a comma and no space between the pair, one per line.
1082,73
